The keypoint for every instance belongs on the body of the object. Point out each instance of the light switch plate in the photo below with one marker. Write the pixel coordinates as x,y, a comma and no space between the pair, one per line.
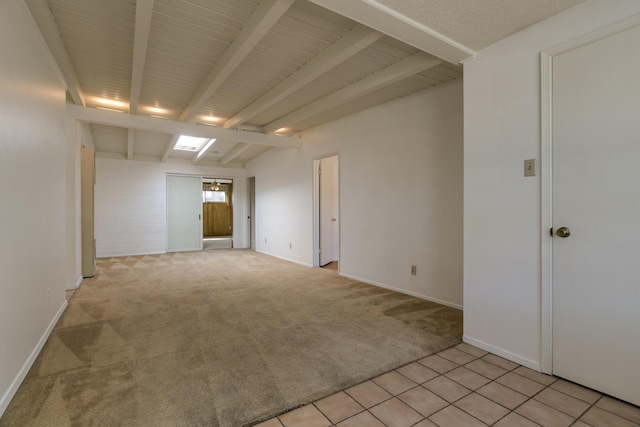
530,167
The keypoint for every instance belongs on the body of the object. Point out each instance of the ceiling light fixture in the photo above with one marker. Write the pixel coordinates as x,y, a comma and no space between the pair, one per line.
157,110
111,102
211,119
110,109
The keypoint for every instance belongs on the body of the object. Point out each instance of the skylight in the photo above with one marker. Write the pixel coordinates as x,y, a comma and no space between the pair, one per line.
189,143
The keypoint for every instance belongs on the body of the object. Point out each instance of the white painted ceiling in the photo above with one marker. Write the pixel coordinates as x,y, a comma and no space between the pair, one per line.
256,68
478,23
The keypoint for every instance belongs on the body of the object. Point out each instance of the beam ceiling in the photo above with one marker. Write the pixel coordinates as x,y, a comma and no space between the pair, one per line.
389,22
263,18
398,71
153,124
350,44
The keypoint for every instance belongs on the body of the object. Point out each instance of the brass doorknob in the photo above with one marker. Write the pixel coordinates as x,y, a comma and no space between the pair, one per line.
563,232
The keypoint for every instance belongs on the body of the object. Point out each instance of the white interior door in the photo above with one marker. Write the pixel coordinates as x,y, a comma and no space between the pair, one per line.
328,209
184,213
596,195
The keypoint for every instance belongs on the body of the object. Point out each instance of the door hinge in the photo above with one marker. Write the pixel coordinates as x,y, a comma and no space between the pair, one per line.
551,231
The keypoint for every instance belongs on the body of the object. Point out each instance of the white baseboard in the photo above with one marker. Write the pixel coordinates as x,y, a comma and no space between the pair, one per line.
76,285
6,399
403,291
503,353
304,264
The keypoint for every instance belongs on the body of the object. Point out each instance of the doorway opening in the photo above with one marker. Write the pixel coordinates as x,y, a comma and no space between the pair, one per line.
217,213
251,204
327,212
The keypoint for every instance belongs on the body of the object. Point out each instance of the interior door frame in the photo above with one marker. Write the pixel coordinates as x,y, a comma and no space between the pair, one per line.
316,208
546,163
251,208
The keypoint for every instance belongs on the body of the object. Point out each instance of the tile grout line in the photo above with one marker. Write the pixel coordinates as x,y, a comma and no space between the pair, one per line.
545,386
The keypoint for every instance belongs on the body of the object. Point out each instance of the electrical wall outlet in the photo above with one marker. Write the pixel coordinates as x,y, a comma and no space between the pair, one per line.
290,246
414,270
265,240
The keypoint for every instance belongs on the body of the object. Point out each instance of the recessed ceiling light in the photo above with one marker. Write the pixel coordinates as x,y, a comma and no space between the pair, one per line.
189,143
211,119
110,102
110,109
157,110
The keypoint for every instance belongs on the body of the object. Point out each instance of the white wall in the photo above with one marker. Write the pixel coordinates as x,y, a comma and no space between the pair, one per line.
131,204
502,231
400,194
33,194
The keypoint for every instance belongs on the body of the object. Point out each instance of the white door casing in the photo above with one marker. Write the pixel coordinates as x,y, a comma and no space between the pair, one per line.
591,184
252,211
184,213
326,212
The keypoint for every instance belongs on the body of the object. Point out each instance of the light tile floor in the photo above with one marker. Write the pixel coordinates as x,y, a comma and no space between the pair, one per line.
463,386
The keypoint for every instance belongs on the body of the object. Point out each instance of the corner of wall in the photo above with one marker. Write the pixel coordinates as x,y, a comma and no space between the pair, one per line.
13,388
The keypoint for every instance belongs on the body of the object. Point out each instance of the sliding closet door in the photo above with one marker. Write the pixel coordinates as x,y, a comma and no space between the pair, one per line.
184,213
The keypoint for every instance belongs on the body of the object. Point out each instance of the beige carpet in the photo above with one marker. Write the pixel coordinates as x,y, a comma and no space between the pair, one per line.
218,338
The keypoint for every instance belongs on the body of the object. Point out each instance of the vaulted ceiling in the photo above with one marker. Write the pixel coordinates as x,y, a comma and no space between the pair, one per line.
252,73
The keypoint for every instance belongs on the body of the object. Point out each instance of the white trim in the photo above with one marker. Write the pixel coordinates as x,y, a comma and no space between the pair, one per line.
375,15
402,291
132,121
6,399
546,156
76,285
316,212
304,264
546,180
316,208
502,353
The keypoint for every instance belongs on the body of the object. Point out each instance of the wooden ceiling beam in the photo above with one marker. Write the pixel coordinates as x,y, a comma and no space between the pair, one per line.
233,153
400,70
144,12
263,18
169,149
200,154
392,23
348,45
153,124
